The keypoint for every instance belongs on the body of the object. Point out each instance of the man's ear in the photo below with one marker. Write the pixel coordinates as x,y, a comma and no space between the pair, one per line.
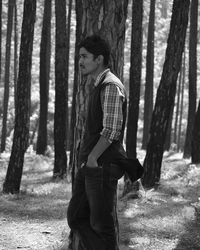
100,59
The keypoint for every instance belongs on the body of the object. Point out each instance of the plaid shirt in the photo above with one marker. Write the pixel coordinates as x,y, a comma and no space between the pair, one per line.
112,99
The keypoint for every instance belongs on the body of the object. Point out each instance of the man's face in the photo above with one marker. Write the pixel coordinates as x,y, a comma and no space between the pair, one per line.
87,63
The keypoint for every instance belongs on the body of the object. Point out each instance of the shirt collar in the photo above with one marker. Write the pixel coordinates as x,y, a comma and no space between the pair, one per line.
100,76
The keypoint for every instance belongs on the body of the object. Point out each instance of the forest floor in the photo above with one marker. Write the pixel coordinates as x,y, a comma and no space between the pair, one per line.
165,218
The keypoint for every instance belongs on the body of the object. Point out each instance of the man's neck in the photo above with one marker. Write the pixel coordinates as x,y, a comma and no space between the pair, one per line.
98,72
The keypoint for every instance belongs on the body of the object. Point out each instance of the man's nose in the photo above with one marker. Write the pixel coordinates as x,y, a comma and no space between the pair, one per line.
80,60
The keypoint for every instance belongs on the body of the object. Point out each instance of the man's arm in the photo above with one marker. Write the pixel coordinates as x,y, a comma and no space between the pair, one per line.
97,151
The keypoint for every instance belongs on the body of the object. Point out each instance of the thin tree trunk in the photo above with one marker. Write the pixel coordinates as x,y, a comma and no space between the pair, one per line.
0,36
166,93
196,138
192,76
177,108
11,5
22,119
60,162
134,88
79,13
45,49
181,105
35,128
67,69
15,56
148,99
135,78
169,129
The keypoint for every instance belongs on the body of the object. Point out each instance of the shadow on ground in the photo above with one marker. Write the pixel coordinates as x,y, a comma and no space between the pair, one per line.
190,239
164,218
40,197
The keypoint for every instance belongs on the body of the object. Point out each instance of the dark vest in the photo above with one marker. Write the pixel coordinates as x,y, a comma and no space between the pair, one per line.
94,124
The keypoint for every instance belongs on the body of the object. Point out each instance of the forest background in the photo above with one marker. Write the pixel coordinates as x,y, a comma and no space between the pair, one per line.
162,24
161,32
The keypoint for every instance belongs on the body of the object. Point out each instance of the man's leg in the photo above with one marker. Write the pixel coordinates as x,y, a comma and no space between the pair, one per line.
78,206
101,186
78,215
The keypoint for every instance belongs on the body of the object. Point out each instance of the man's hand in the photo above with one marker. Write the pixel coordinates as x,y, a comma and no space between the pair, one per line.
97,151
91,161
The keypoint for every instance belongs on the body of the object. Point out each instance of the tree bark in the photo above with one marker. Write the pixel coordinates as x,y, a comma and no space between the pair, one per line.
15,55
177,108
179,144
67,73
11,5
0,36
166,93
169,129
196,138
192,76
22,119
1,109
134,88
45,49
79,13
148,98
60,162
135,78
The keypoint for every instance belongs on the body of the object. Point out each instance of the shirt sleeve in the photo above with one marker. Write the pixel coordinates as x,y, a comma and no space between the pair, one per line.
112,99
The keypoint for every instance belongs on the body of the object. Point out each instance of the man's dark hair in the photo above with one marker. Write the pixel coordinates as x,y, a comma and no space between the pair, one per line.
96,46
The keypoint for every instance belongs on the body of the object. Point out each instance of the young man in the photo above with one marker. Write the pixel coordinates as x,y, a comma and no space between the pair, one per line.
90,211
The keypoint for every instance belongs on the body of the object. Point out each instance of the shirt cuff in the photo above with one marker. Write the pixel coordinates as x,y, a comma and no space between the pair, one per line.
110,135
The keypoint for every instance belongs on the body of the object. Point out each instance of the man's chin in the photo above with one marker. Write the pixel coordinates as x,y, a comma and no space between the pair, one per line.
83,73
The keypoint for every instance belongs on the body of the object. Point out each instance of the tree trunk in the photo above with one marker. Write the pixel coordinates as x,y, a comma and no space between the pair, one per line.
0,37
35,129
148,98
15,56
22,119
108,19
166,93
135,78
67,69
11,5
169,129
196,138
164,8
73,130
192,76
179,144
134,89
60,162
45,48
177,108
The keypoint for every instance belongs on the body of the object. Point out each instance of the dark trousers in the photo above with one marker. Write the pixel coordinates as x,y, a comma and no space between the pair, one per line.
90,211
